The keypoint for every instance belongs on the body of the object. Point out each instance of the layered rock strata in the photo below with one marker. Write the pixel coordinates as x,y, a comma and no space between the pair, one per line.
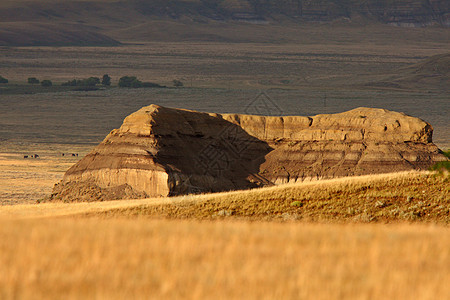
162,151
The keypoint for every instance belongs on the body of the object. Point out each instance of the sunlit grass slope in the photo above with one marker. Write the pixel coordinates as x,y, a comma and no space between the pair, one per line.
410,197
413,196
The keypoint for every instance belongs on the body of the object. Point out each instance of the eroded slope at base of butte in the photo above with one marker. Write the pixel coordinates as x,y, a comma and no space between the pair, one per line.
162,151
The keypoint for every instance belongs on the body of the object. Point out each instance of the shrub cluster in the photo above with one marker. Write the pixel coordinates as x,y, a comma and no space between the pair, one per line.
33,80
177,83
130,81
106,80
91,81
46,82
442,165
133,82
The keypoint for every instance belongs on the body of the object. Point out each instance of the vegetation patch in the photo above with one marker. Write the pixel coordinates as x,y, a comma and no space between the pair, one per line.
133,82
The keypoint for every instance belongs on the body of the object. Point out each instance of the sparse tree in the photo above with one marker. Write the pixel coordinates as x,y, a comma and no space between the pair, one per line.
46,83
91,81
130,81
106,80
33,80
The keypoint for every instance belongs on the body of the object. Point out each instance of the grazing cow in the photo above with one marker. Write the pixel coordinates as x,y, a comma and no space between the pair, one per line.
36,156
73,154
25,156
63,154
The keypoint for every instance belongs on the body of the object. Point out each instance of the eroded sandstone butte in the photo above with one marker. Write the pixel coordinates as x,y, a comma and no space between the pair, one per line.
161,151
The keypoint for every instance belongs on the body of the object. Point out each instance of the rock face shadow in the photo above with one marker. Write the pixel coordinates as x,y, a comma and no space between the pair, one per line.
210,154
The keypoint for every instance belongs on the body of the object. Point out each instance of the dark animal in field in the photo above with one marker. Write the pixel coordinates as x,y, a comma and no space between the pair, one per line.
35,156
62,154
25,156
73,154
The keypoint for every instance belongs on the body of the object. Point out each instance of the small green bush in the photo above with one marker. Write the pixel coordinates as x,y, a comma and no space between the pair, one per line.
446,153
297,204
33,80
441,166
106,80
133,82
130,81
70,83
91,81
88,82
177,83
46,83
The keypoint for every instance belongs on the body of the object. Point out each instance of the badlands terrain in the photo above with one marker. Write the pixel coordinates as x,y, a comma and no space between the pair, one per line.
375,236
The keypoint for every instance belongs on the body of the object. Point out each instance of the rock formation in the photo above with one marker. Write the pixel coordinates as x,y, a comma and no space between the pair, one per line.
162,151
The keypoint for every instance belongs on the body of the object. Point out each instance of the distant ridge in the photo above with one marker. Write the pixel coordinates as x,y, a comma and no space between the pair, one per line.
433,71
100,22
44,34
411,13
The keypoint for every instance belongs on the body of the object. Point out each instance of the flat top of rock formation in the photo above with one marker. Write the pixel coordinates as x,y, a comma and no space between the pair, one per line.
396,126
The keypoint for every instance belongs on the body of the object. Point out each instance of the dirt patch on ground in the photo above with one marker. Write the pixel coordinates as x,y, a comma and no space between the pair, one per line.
90,192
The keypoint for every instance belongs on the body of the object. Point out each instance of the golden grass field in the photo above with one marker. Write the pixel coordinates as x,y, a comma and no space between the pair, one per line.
75,258
27,180
158,248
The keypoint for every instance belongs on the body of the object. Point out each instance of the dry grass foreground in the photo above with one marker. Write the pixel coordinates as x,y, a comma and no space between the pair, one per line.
74,258
52,250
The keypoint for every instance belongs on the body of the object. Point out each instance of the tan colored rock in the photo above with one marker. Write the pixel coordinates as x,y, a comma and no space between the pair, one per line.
162,151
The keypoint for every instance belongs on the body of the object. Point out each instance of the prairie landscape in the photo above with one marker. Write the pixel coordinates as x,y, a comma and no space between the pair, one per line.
382,236
122,258
318,240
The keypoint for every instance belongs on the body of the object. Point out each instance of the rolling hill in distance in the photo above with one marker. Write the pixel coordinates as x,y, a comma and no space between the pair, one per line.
108,23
